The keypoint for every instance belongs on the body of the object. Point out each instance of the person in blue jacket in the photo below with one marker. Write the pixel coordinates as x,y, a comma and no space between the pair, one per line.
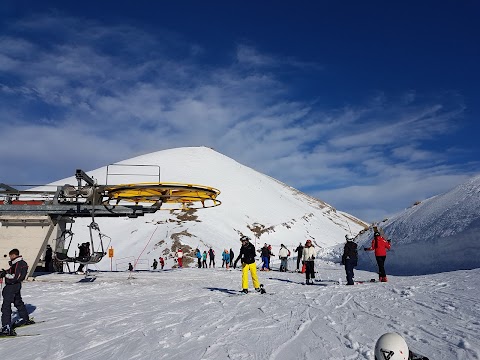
198,254
226,258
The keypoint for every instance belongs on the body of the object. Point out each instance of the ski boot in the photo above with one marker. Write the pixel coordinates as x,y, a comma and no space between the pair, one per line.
21,322
245,291
7,331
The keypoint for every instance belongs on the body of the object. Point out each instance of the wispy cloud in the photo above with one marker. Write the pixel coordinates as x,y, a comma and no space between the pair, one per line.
73,95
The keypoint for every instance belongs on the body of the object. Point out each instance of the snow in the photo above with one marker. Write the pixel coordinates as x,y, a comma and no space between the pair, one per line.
195,313
438,235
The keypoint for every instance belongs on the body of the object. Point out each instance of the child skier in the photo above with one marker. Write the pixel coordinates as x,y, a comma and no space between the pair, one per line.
162,262
309,254
247,256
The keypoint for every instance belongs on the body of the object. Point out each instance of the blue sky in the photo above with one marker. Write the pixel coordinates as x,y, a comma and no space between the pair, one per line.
369,106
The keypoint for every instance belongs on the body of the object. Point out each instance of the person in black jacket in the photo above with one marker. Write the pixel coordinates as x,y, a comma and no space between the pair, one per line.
11,293
231,257
48,259
247,256
350,259
299,251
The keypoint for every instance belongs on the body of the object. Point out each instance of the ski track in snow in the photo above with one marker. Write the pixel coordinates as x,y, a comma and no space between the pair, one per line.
198,314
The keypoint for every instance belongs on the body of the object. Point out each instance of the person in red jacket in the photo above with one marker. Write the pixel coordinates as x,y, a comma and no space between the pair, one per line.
380,245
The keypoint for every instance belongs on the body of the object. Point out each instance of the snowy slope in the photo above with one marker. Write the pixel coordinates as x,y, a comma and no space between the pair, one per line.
439,234
198,314
253,204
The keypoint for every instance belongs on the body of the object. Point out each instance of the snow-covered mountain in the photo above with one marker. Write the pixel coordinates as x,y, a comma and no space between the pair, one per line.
253,204
436,235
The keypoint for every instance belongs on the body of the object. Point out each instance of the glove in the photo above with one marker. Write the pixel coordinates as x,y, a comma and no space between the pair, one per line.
366,249
389,241
3,273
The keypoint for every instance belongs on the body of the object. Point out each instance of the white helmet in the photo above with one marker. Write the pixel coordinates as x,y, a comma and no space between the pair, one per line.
391,346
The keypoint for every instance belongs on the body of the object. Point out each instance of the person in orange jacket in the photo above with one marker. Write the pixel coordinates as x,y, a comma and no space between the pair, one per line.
380,245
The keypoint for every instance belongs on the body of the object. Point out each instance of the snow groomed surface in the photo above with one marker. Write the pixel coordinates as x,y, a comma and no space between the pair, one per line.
191,314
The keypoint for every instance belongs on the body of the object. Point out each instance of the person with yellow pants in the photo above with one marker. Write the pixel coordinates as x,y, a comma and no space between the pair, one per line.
247,257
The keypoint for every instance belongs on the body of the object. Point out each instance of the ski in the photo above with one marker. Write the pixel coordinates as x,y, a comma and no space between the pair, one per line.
18,335
23,325
261,291
365,281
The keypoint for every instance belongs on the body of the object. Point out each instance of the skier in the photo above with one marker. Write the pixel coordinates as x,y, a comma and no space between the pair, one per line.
223,257
226,258
231,257
283,254
179,255
299,251
162,262
350,259
155,264
11,294
198,254
270,254
247,256
204,259
130,267
265,257
309,254
211,255
380,245
392,346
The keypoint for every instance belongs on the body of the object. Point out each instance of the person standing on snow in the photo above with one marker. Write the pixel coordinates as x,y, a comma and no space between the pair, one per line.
265,257
48,259
231,257
198,254
270,254
350,259
155,264
380,245
309,254
247,256
226,258
179,255
11,294
204,259
211,255
299,251
162,262
283,254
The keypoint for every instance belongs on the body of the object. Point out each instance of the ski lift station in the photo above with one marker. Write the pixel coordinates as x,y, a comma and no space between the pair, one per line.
32,219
